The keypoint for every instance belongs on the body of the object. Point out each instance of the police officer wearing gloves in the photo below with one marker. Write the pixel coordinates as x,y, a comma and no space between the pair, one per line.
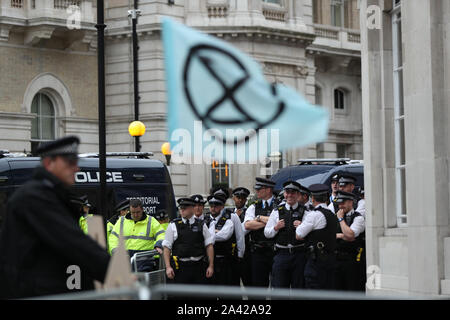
290,255
349,244
141,232
319,228
222,227
41,236
242,266
256,217
187,244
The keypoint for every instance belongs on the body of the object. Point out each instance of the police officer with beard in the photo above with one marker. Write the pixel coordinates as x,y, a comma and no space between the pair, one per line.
41,236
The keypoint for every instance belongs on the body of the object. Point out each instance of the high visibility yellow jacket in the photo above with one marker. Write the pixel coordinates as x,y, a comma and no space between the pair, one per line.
165,225
139,235
83,223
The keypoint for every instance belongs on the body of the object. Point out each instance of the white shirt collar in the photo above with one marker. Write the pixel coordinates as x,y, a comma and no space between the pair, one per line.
350,212
295,206
191,219
323,205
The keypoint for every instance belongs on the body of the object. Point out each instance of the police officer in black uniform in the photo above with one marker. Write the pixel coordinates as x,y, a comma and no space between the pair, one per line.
319,228
256,218
188,247
348,243
290,254
224,237
242,269
40,237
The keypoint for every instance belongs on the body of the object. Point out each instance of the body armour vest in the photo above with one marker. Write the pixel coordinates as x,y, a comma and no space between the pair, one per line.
225,248
286,235
326,237
350,246
257,236
190,241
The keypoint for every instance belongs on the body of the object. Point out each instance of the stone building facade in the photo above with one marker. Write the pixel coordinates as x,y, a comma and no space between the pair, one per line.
312,46
406,94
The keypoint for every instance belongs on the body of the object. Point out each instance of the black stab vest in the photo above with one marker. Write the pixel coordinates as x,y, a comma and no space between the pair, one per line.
190,241
327,235
225,248
286,235
350,246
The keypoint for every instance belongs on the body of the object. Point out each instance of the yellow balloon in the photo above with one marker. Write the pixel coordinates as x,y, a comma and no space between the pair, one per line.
165,148
136,129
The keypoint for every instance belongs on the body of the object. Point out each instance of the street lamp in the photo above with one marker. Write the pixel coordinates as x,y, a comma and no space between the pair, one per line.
165,149
136,129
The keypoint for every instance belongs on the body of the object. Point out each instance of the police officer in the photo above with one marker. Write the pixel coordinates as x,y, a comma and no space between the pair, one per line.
334,189
242,267
347,184
121,209
188,247
199,206
348,243
41,236
224,237
163,218
141,232
256,218
290,255
319,228
85,207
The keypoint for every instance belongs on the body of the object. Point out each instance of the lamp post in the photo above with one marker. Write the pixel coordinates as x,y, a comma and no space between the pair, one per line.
136,129
165,149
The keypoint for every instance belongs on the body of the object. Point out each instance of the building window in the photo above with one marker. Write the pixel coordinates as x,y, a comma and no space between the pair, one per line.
337,13
341,150
43,125
220,174
399,114
318,93
339,99
273,1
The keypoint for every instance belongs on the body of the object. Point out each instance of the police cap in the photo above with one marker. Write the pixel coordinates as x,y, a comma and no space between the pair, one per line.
264,183
216,200
335,177
241,192
319,189
161,214
198,199
125,204
67,146
221,191
291,185
185,202
344,196
344,179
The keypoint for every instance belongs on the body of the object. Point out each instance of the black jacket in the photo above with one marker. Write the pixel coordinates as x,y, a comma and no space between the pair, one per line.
41,238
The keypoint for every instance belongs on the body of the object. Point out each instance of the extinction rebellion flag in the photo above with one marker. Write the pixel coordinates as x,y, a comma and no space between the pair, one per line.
221,107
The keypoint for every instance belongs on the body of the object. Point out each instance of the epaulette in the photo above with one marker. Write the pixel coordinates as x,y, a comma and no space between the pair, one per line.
177,220
280,208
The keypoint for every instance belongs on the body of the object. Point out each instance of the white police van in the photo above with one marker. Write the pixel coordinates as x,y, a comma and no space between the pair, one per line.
129,175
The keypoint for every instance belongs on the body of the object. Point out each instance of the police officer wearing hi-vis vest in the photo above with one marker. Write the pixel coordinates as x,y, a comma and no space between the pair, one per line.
188,247
256,218
319,228
290,253
350,244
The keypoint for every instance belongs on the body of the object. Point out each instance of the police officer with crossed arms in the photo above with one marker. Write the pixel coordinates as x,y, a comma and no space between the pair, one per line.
187,244
290,254
350,242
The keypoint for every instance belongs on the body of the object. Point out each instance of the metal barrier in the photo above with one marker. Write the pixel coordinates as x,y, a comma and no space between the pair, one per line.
158,292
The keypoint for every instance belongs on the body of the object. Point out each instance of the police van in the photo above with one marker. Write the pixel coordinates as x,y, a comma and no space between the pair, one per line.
129,176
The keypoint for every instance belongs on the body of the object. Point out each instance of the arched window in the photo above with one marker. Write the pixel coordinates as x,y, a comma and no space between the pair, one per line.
43,124
339,99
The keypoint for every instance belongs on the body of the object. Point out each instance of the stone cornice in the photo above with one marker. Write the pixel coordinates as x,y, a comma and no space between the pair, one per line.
254,32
